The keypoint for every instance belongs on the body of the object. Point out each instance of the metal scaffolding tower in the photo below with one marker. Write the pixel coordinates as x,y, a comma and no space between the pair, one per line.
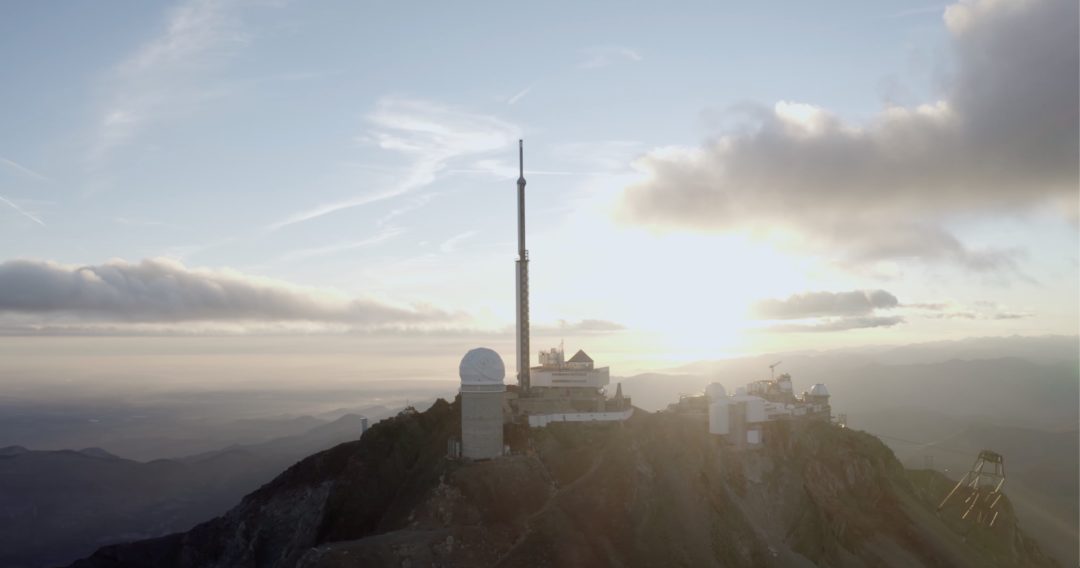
983,488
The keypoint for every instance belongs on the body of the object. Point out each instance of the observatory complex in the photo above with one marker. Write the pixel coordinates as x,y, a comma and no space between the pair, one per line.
575,389
557,390
743,419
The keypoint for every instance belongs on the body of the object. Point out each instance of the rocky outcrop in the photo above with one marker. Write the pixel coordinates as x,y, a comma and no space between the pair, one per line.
654,491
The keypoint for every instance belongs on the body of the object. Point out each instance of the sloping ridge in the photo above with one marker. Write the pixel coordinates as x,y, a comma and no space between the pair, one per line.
656,490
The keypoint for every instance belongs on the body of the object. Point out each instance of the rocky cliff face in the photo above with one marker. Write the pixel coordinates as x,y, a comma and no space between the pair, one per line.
654,491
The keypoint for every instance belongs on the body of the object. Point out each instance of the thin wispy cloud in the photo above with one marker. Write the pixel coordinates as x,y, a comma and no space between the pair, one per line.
505,169
839,324
601,155
21,211
519,95
583,326
329,208
165,76
602,56
311,252
431,136
414,203
979,310
131,222
452,244
936,9
17,167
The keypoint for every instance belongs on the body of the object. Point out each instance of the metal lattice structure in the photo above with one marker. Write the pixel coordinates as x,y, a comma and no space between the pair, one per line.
522,281
983,484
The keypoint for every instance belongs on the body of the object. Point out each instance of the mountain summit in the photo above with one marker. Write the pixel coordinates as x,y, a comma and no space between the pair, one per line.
655,490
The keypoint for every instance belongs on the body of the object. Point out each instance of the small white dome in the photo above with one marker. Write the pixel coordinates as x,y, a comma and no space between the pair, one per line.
818,390
482,366
715,391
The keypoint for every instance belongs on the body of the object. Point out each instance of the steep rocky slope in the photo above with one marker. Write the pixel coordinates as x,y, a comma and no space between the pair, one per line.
655,491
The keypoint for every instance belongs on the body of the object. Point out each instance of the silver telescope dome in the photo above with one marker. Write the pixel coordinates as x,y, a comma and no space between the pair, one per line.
482,366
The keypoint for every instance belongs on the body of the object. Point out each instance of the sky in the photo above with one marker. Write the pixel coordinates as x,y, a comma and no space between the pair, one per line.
704,179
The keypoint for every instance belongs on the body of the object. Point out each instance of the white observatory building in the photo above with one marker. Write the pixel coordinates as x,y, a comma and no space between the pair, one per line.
719,420
482,391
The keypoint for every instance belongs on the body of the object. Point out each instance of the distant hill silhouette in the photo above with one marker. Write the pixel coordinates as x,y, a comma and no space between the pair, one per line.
58,505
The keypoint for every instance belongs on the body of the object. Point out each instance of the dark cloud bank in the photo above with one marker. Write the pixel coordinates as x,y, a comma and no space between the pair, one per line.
823,304
832,311
165,291
860,309
1004,138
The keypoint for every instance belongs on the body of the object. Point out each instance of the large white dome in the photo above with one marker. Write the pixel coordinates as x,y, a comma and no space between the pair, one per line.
482,366
715,392
819,390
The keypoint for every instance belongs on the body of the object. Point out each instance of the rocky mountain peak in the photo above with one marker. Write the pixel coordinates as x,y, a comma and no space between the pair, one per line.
655,490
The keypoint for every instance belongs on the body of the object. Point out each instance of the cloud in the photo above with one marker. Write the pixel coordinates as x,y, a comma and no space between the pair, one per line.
586,326
1011,315
839,324
376,239
12,165
451,244
598,156
937,9
519,95
430,136
972,315
826,304
21,211
162,77
1003,139
602,56
932,306
160,291
990,312
591,325
977,310
829,311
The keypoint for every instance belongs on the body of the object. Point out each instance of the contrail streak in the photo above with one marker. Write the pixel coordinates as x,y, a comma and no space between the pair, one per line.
22,212
23,169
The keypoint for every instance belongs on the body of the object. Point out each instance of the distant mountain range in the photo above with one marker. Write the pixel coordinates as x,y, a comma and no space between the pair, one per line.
56,506
935,404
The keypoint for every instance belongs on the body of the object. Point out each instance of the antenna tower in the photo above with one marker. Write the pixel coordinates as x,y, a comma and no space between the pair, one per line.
522,280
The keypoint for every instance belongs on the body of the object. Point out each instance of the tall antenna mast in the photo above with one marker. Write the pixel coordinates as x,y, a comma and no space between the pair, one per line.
522,280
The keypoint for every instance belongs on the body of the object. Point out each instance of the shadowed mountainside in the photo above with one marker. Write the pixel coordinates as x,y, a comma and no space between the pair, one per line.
948,410
59,505
656,490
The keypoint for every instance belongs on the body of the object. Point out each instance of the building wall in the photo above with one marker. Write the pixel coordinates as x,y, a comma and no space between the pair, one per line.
541,420
481,424
559,401
570,378
719,420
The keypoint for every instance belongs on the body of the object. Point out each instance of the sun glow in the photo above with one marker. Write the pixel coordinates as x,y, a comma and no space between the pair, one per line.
689,293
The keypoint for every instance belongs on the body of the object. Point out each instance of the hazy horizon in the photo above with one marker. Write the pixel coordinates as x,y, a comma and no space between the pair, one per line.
208,168
229,227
